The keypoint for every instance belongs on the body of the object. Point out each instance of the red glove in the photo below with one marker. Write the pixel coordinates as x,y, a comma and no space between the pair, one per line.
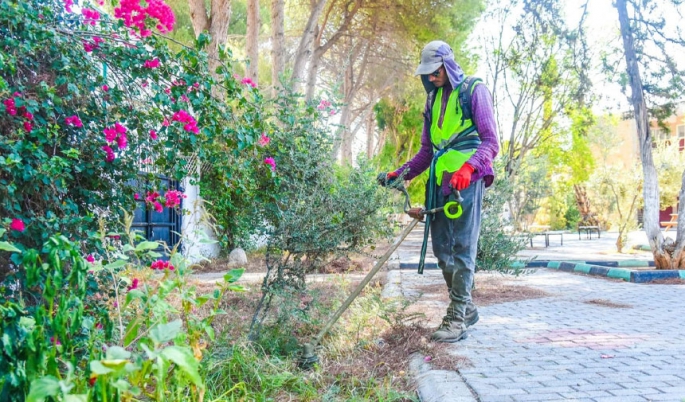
462,177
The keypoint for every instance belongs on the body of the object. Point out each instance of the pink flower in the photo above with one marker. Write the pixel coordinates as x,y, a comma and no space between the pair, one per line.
323,104
28,115
264,140
110,134
105,88
119,128
146,161
332,112
173,198
153,134
55,341
97,40
166,123
68,4
143,84
28,126
184,117
162,265
73,121
98,325
248,81
134,15
184,98
10,107
427,359
136,196
134,284
91,16
89,47
122,141
109,157
154,63
271,162
151,196
17,225
90,258
158,207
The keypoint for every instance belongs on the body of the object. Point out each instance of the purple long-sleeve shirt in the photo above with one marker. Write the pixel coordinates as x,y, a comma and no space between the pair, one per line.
481,160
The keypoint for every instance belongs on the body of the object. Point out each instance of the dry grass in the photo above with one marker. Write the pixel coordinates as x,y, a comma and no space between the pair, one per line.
670,281
607,303
488,291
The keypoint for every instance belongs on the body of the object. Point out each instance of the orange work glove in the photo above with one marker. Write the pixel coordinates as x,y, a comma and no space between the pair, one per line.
462,177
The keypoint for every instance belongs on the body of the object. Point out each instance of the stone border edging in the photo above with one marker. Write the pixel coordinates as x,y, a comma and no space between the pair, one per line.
438,385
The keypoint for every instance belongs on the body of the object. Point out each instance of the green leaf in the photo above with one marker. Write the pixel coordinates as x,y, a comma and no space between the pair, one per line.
233,275
8,247
42,388
184,359
115,264
117,353
98,368
165,332
76,398
147,245
2,231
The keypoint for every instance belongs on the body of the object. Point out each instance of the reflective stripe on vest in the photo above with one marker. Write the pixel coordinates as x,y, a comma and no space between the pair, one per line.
457,134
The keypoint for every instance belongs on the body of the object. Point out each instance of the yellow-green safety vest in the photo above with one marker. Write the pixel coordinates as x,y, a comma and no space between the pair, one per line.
453,127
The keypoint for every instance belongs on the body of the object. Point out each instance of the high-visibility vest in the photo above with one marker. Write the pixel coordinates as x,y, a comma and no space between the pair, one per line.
458,133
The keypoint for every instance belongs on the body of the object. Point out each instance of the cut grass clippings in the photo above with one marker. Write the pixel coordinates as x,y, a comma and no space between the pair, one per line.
607,303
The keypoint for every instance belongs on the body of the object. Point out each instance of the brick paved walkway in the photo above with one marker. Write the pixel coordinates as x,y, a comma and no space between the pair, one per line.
559,348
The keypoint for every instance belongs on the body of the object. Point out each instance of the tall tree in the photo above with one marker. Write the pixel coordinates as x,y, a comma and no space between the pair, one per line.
252,39
277,43
648,51
214,20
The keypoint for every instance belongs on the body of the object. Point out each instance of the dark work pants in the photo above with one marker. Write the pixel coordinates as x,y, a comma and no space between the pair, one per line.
455,244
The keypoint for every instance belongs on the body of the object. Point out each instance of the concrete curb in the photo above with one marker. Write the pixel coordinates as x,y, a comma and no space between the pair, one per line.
438,385
628,275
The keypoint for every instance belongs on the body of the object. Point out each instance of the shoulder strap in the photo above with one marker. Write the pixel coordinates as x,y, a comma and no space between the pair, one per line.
465,94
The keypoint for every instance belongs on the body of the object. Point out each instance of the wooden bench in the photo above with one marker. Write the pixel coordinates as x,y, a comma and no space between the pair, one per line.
672,223
588,231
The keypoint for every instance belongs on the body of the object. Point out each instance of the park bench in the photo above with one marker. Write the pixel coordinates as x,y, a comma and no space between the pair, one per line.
673,222
547,234
588,231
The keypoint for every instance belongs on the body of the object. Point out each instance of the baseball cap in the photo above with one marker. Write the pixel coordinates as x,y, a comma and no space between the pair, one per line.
430,60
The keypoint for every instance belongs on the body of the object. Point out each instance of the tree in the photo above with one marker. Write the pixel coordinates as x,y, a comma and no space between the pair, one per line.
647,51
213,20
252,40
277,43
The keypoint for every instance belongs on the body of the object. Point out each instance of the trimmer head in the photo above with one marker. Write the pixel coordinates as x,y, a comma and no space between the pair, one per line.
308,358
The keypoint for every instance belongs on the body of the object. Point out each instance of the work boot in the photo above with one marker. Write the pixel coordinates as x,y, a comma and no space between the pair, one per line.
471,317
449,331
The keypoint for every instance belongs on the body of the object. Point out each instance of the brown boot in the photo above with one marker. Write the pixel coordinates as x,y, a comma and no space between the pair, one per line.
449,331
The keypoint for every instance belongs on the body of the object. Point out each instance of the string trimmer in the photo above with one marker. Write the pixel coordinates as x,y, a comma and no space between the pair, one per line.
452,210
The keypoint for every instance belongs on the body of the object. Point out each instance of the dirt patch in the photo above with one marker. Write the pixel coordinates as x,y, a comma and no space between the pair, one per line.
256,262
607,303
670,281
489,291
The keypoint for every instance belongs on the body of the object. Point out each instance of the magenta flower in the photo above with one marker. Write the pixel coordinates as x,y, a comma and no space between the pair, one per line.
68,4
264,140
55,341
158,207
151,196
184,117
153,134
90,258
17,225
134,284
91,16
154,63
166,123
184,98
136,196
271,162
323,104
105,88
173,198
10,107
73,121
135,15
28,126
28,115
109,157
162,265
248,81
89,47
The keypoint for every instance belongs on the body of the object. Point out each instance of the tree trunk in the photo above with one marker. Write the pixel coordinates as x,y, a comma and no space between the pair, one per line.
662,259
215,21
277,43
313,71
304,49
252,39
370,130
